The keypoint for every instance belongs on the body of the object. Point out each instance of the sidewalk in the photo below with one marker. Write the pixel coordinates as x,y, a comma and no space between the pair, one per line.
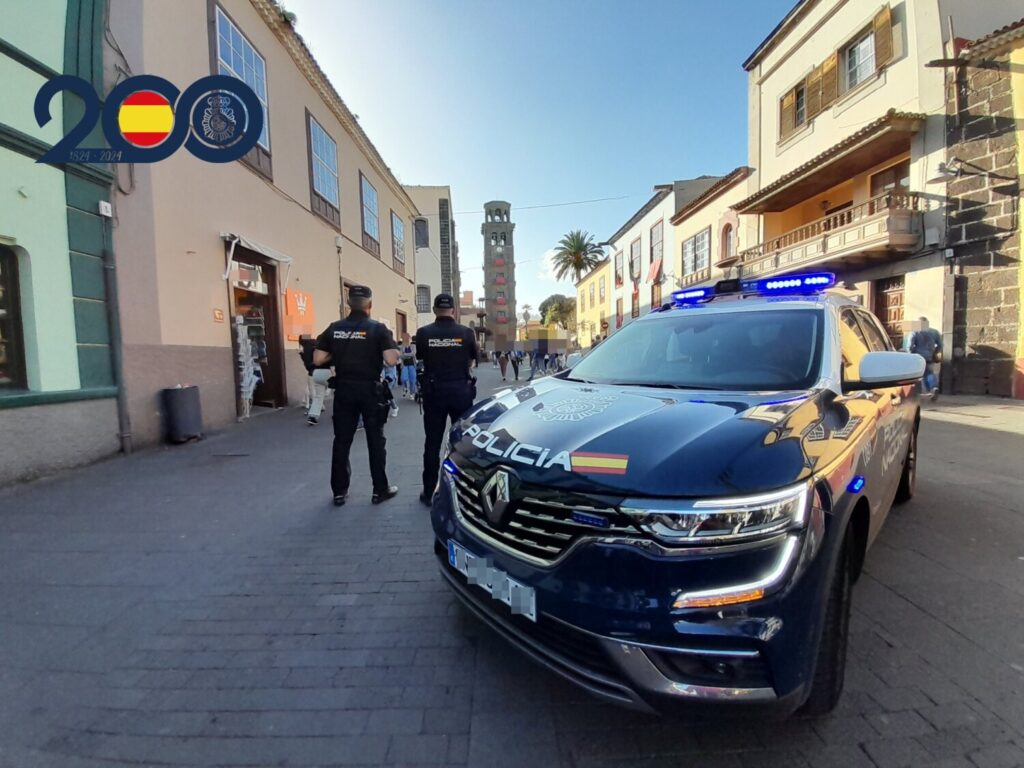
997,413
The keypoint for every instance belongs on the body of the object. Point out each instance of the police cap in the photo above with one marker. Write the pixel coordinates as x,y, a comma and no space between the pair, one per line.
360,292
444,301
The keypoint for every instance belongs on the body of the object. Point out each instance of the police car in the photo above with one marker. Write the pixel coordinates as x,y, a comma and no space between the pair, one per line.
680,516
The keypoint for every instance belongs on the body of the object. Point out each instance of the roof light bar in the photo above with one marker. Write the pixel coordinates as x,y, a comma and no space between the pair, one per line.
809,283
692,296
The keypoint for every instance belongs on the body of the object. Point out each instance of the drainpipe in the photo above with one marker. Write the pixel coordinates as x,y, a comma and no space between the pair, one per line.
124,424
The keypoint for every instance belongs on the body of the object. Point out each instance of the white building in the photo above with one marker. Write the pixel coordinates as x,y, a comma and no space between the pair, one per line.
437,252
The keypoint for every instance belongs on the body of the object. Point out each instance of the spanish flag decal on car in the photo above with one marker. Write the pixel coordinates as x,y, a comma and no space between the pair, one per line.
599,463
145,119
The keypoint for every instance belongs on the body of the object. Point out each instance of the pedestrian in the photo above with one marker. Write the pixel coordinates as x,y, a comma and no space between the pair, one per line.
927,342
494,358
547,358
503,364
316,381
357,347
513,357
448,351
408,353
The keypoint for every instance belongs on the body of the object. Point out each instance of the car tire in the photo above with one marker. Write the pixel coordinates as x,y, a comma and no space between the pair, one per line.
830,667
908,479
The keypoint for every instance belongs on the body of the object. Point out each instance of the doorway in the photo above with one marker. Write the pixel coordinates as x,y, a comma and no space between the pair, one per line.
255,306
401,325
888,307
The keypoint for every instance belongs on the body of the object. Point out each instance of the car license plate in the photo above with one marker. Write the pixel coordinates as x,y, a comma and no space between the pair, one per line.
478,571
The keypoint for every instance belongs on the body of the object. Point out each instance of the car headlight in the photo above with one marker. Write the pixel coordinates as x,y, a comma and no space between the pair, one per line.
724,520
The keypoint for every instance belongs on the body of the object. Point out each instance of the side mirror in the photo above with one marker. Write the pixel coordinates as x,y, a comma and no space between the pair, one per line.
887,369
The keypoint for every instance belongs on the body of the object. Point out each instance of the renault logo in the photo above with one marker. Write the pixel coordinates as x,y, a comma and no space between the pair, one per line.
496,496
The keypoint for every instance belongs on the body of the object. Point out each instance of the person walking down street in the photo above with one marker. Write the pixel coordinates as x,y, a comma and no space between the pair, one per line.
448,351
316,382
494,359
513,358
927,342
408,352
503,364
357,347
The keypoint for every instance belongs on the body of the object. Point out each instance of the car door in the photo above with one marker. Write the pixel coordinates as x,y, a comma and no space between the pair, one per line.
874,407
899,420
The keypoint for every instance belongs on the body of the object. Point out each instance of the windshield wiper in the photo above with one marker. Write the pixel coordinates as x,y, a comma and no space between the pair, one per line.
581,381
663,385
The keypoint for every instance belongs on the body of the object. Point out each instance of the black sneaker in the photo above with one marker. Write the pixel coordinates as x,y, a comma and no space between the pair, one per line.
311,421
426,499
389,493
340,499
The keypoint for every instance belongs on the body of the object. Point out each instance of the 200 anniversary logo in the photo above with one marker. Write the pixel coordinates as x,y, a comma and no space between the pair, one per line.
146,119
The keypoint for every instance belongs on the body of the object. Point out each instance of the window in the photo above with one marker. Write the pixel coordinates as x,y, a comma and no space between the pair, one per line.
398,242
859,60
323,171
657,241
422,298
655,295
494,238
852,344
696,252
422,233
877,340
728,242
634,259
618,269
236,57
593,290
501,294
895,179
12,364
601,290
618,313
635,311
771,350
371,227
800,116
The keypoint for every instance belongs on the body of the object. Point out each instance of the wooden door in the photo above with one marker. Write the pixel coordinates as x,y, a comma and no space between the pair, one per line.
888,307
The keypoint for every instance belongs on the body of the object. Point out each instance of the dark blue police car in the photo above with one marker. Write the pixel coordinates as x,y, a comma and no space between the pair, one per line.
681,515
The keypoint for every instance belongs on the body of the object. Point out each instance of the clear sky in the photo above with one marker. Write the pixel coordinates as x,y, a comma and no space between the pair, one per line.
543,101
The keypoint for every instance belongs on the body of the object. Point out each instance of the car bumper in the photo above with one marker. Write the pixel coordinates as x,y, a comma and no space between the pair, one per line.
605,621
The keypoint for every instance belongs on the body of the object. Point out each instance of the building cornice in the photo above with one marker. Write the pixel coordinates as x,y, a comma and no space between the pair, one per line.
720,187
274,17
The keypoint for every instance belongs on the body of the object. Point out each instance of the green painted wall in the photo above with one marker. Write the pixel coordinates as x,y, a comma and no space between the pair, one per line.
20,86
37,28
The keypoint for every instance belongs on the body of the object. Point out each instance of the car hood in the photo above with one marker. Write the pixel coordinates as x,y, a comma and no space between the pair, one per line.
642,441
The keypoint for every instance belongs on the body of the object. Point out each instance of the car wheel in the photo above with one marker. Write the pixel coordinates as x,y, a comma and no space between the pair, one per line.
905,491
830,667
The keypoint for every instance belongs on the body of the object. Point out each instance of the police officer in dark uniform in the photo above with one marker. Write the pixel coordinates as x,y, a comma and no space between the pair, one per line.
448,351
358,347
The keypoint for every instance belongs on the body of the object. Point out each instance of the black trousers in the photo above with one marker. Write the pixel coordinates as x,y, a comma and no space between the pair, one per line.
445,401
352,400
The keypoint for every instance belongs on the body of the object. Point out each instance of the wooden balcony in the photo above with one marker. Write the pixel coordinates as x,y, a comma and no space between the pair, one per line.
851,237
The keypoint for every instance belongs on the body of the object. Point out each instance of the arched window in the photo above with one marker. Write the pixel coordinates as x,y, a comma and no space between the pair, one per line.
728,242
494,238
12,359
502,238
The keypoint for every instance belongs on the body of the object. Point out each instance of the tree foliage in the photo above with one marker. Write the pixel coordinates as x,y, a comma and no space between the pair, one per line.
576,254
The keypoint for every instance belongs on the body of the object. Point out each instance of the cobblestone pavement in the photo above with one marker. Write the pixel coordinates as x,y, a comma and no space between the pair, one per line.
205,605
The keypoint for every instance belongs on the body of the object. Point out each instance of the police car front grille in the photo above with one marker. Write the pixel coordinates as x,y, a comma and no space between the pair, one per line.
540,529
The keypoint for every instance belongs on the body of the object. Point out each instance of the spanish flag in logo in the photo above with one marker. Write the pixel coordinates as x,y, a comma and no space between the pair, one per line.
599,463
145,119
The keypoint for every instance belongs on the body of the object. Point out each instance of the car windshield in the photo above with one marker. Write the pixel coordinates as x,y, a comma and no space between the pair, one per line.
749,350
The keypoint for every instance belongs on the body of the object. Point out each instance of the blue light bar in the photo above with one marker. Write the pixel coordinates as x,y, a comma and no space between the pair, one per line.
691,296
856,484
450,467
809,283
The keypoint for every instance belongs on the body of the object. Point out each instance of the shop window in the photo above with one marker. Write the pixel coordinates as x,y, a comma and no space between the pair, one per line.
12,361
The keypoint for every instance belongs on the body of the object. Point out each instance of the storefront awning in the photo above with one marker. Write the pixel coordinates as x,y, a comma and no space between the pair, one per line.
233,240
876,142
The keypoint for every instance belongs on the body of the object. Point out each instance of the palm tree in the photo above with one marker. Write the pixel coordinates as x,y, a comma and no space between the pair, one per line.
576,254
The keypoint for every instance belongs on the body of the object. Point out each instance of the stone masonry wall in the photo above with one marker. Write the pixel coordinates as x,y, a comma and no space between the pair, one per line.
983,229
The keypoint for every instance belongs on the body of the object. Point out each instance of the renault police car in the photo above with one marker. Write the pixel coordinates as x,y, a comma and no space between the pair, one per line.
680,516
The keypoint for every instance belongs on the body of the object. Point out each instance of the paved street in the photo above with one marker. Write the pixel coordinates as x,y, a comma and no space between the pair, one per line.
205,605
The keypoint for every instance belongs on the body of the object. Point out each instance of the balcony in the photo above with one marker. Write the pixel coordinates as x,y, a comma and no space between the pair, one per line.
695,277
848,238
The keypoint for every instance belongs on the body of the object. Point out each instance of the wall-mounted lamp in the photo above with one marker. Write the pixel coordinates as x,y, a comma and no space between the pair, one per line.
948,171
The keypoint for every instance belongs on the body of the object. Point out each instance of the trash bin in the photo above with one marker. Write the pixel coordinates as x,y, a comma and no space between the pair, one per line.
183,414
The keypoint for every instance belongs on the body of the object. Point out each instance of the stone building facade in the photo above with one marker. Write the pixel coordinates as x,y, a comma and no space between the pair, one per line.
983,218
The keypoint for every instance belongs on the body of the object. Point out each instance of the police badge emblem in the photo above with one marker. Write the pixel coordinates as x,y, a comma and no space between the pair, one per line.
219,123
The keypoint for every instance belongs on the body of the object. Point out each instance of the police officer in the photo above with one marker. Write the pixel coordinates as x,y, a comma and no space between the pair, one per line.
358,347
448,350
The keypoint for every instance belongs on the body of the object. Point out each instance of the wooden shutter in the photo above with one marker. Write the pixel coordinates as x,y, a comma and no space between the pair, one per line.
812,93
883,37
830,80
787,115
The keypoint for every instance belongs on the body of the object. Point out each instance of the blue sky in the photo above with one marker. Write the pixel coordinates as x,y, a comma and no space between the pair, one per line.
543,101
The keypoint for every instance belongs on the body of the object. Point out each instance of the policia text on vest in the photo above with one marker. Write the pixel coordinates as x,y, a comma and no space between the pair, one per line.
359,348
448,350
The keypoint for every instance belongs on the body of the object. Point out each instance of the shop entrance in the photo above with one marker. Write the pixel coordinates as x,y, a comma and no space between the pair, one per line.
257,338
888,307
